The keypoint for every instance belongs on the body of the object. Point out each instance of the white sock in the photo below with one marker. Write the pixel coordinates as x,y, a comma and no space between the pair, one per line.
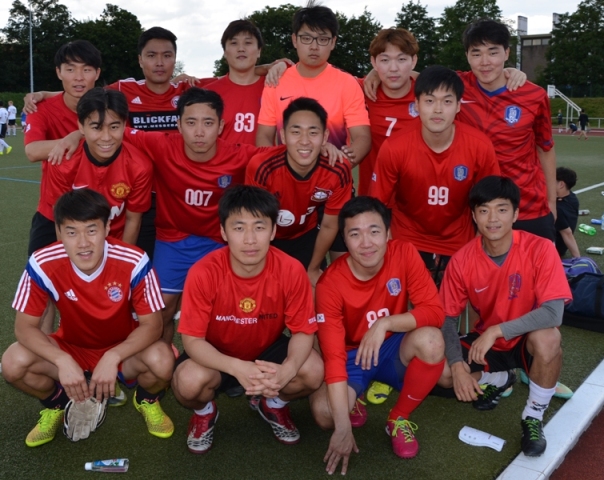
275,402
538,401
3,143
209,408
494,378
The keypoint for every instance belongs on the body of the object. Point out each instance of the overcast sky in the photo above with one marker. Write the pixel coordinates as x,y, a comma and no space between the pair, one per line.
199,24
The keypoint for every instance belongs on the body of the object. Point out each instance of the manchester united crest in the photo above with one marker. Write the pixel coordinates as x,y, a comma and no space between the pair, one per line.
120,190
114,292
247,305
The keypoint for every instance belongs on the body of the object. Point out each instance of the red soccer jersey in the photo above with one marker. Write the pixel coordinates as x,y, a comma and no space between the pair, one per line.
242,317
188,191
52,121
347,306
149,110
530,275
431,189
388,116
299,197
241,108
96,310
125,181
517,123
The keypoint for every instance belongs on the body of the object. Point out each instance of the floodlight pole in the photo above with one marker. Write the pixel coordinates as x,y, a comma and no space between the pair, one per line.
31,55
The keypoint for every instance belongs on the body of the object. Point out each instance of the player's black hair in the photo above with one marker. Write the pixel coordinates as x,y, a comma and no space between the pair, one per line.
316,17
1,103
81,51
153,33
241,26
483,31
100,100
255,200
567,175
437,77
362,204
200,95
81,205
493,187
305,104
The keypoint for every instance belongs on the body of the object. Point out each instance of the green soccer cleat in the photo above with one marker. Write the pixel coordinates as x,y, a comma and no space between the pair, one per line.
46,428
119,398
8,150
158,423
562,391
378,393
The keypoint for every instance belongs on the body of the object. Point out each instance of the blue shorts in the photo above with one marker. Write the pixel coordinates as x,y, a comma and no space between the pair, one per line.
172,260
390,370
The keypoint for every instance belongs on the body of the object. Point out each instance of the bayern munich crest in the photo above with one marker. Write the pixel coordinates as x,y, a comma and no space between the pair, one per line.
114,292
512,114
460,173
412,110
394,286
225,181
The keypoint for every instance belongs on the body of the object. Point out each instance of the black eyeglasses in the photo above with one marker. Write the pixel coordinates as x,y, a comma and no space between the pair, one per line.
308,39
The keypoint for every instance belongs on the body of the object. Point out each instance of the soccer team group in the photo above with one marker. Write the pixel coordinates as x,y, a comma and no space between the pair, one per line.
455,207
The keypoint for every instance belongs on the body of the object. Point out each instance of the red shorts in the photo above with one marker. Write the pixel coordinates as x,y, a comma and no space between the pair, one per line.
86,358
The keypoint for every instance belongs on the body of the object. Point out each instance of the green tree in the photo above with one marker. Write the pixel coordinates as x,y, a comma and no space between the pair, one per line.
414,17
576,51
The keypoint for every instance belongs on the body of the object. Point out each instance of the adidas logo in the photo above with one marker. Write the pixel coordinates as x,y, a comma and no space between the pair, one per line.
137,100
71,295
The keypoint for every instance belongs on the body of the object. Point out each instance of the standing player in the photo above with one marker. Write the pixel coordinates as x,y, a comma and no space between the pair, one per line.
393,56
367,332
518,123
237,302
431,169
568,212
315,30
515,281
96,282
303,181
3,129
583,123
12,119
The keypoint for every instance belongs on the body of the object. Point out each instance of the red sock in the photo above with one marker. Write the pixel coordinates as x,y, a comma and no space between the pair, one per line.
420,379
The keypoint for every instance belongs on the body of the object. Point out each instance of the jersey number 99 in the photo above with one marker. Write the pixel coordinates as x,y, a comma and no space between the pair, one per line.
438,195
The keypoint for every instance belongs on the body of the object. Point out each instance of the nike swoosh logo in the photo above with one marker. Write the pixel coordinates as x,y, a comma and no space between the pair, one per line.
467,101
285,98
478,290
77,187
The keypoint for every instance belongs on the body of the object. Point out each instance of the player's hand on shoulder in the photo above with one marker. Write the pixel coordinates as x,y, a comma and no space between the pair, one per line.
183,77
465,385
515,78
370,85
369,349
334,154
275,72
341,444
71,377
30,100
65,148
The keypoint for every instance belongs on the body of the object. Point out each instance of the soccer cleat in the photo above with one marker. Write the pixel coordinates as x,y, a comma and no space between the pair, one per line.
253,401
83,418
490,398
280,421
562,391
378,392
8,150
119,398
46,428
533,441
505,394
158,423
401,433
200,434
358,414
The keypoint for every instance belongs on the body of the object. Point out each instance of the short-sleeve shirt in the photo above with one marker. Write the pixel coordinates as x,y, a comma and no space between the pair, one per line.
517,123
3,115
388,117
242,317
299,197
338,93
567,210
12,112
96,310
124,180
530,276
187,191
347,307
241,108
431,189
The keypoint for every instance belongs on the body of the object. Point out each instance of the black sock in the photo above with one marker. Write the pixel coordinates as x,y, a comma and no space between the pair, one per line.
142,394
57,399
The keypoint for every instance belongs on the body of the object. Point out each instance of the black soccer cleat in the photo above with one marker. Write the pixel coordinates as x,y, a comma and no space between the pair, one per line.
490,398
533,441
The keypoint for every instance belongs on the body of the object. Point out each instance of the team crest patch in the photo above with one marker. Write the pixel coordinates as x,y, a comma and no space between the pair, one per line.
320,318
460,173
114,292
412,110
320,194
247,305
512,114
514,284
285,218
174,101
394,286
120,190
225,181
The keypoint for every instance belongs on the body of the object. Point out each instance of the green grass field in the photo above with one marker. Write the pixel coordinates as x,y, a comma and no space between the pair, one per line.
244,446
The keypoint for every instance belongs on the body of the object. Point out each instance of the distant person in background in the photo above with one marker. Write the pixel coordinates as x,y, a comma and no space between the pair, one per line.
583,123
568,212
4,147
23,120
12,119
560,118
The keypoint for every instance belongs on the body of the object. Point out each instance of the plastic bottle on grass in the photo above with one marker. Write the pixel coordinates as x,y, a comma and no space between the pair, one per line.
113,465
602,224
588,229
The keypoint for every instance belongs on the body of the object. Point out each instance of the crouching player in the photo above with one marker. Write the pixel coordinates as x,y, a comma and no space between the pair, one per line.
236,303
515,281
95,282
366,331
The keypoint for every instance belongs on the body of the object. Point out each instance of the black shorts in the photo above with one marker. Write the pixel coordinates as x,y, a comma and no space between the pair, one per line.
302,247
41,234
146,235
275,353
436,265
12,122
542,227
499,360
